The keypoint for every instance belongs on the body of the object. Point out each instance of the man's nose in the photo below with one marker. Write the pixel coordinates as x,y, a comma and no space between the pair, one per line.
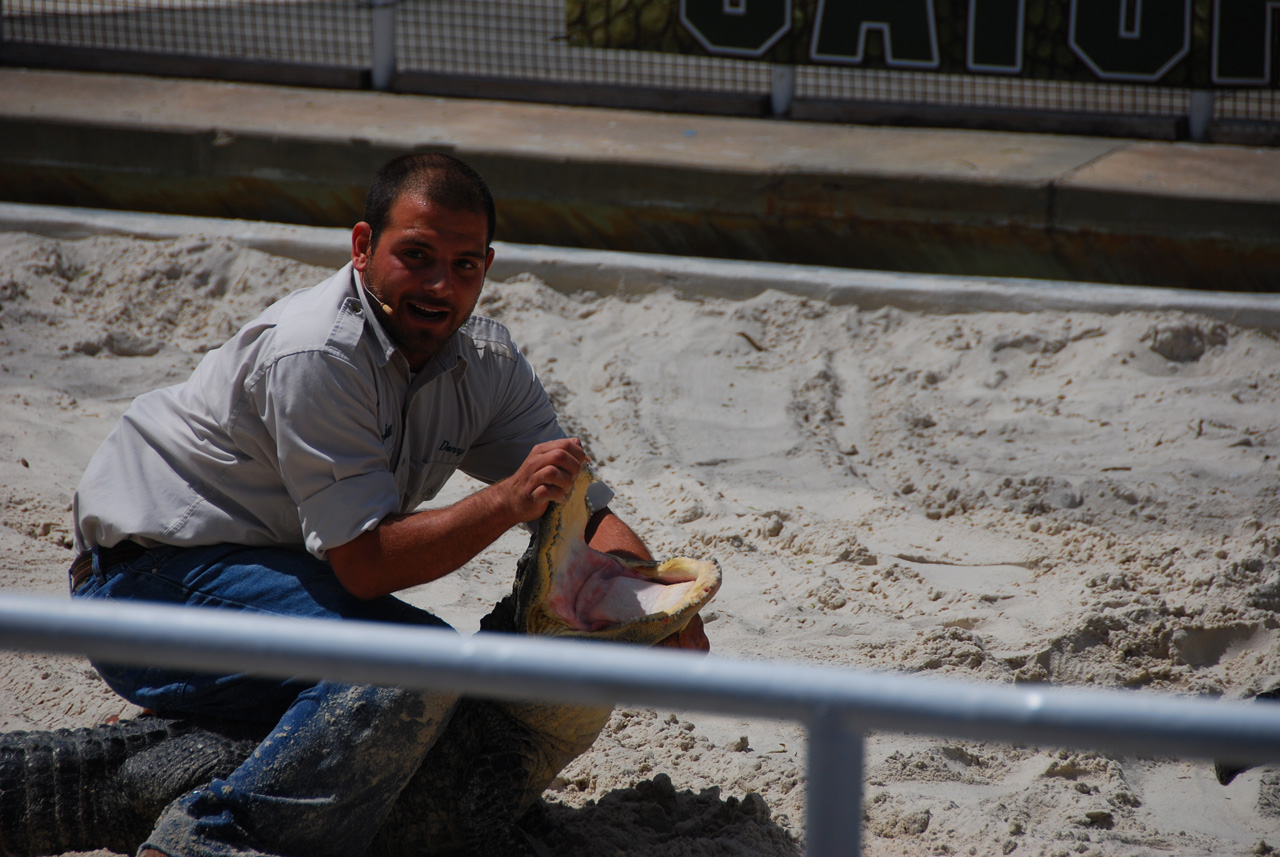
436,279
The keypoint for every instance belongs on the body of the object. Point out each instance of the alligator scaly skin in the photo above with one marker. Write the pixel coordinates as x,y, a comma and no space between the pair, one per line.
83,789
478,790
104,787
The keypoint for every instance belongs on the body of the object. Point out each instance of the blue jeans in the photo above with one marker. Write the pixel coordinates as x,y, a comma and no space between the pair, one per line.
321,783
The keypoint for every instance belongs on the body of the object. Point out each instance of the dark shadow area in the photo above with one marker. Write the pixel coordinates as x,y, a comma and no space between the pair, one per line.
653,819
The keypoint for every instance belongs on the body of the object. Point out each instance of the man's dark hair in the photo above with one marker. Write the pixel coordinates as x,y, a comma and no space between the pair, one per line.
438,178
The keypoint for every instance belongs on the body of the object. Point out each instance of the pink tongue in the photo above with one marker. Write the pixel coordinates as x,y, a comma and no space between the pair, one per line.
601,592
588,590
593,590
624,599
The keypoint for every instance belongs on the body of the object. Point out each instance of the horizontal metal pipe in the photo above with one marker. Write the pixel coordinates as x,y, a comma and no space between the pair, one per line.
518,667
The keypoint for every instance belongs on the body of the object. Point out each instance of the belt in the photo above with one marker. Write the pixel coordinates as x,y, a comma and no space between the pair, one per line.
82,568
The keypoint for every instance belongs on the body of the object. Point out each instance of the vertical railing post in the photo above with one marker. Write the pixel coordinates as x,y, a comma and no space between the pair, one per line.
384,43
1199,114
833,795
782,88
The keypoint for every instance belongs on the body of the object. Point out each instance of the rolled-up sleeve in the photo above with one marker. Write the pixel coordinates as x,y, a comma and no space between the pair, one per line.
321,415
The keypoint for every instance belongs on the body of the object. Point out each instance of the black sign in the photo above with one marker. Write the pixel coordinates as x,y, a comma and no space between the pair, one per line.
1186,43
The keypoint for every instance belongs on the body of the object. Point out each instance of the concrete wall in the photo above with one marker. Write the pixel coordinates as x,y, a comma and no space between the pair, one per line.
895,199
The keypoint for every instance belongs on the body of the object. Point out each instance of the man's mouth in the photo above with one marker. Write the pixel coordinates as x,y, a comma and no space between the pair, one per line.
427,312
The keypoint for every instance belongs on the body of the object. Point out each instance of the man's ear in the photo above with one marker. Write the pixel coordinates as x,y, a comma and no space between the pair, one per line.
488,260
361,236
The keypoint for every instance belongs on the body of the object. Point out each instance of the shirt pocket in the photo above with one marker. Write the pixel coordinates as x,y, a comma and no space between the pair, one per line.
425,478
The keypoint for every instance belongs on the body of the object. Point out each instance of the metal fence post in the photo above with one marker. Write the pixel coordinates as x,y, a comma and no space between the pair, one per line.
1199,114
782,90
384,42
833,815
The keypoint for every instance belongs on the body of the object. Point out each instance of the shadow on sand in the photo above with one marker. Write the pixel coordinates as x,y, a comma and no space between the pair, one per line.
653,819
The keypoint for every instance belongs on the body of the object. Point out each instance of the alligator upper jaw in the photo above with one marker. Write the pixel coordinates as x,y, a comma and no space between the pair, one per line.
584,592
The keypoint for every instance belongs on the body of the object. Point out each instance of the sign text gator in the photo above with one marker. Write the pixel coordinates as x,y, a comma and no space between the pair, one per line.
1185,43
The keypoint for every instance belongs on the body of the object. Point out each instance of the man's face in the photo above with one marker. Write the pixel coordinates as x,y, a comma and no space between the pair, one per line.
428,266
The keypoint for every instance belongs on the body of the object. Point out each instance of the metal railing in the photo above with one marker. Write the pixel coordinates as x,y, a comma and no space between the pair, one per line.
837,705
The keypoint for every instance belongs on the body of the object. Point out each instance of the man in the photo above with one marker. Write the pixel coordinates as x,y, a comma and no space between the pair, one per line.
281,478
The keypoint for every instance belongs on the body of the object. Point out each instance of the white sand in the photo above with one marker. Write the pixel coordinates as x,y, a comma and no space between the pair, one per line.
1081,499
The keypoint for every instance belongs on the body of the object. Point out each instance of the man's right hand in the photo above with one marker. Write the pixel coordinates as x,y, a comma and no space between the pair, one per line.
545,477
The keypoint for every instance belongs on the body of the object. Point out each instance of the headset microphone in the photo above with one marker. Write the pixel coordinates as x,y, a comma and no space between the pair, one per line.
386,307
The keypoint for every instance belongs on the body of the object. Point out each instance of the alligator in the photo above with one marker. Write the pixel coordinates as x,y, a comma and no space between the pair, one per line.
478,790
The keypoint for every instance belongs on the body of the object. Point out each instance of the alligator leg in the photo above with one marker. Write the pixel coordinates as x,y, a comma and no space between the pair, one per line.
424,819
489,767
84,789
495,789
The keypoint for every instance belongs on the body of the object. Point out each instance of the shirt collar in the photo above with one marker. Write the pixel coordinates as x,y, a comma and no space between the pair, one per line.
386,348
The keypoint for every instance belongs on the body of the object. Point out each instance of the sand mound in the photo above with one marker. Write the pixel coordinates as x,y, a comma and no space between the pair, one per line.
1065,497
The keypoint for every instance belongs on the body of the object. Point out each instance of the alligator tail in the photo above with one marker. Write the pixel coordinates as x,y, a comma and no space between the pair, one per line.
103,787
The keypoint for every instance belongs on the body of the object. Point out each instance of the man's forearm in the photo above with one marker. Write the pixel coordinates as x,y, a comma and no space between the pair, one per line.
407,550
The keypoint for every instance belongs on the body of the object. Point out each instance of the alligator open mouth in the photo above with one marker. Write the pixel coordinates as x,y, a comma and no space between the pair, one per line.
566,588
